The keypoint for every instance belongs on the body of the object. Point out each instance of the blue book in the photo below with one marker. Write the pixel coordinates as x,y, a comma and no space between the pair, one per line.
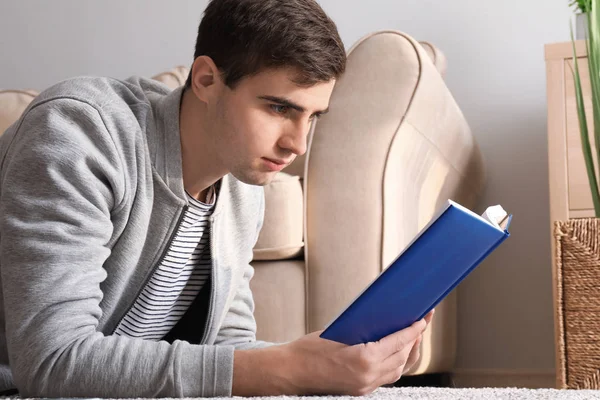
442,254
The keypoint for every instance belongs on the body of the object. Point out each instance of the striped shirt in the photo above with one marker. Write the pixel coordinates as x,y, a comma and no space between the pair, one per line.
178,279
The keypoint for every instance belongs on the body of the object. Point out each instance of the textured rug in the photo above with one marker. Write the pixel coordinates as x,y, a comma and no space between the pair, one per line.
421,393
411,393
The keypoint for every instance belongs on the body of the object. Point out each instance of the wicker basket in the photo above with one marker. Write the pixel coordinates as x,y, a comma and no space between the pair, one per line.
577,246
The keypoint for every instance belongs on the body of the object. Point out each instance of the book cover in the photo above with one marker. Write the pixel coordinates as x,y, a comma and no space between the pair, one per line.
444,252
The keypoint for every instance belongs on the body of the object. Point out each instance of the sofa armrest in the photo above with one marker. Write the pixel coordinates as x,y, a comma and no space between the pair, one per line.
392,149
12,105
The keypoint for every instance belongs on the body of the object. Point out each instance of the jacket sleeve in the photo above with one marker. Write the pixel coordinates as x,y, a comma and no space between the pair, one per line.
61,178
239,325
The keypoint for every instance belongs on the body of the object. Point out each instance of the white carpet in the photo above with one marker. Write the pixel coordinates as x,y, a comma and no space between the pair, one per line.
410,393
481,394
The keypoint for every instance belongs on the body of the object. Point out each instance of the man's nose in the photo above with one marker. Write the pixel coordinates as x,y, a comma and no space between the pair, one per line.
295,138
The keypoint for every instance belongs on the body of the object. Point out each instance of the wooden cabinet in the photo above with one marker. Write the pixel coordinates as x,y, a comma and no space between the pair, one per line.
570,195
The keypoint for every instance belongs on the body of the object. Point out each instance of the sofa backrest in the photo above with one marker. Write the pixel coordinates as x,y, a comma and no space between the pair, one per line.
14,101
438,59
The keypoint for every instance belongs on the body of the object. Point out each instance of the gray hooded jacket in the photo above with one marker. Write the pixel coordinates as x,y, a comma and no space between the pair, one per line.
91,193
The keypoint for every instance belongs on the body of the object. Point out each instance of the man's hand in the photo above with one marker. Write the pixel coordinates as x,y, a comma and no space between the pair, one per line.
312,365
321,366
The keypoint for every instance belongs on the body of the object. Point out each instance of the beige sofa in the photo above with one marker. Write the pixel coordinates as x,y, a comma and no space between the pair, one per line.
393,148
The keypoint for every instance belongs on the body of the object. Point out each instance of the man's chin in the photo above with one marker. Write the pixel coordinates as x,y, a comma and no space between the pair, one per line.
256,179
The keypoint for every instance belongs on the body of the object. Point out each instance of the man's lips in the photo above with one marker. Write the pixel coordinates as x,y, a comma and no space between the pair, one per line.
275,165
278,162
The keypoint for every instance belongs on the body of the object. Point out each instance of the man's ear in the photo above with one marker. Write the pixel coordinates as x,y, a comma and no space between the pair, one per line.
206,78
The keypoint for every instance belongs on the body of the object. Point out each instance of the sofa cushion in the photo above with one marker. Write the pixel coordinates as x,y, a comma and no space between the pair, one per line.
173,78
282,232
12,105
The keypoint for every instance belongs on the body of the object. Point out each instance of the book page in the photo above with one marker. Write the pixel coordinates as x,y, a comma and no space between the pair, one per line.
497,216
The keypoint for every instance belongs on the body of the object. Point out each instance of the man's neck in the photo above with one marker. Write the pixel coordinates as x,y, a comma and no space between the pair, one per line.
205,196
199,164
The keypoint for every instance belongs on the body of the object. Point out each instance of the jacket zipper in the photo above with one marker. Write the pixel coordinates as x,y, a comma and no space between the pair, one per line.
162,257
209,316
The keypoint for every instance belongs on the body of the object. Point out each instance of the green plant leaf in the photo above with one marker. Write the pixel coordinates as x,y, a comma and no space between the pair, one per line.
583,127
580,5
593,51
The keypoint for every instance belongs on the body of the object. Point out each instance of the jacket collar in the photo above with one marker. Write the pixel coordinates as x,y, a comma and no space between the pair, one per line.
165,146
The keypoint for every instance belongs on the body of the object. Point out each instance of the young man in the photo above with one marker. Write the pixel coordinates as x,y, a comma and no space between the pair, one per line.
128,215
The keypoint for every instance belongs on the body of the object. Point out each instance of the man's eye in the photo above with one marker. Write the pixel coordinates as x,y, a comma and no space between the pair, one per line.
279,109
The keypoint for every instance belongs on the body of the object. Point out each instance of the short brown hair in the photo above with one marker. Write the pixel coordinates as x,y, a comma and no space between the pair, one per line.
243,37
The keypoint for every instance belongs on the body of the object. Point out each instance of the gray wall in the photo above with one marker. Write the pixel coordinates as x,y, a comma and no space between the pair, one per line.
496,72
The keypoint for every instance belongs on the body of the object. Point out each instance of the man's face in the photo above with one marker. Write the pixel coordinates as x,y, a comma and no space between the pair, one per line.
262,125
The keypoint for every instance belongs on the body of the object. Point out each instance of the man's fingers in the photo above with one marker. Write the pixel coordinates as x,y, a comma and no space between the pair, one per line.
393,366
399,340
414,355
429,316
400,351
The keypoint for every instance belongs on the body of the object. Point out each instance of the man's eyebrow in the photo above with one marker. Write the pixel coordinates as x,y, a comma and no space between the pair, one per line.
287,103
